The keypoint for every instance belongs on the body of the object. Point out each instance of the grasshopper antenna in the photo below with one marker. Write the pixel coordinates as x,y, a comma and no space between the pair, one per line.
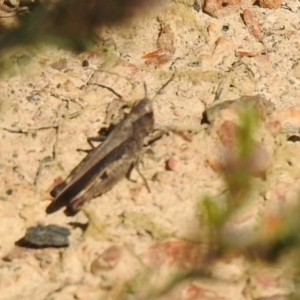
164,85
160,89
145,90
102,86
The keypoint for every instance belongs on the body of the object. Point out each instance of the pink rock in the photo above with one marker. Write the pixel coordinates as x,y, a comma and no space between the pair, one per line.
257,163
227,133
175,253
252,24
212,7
172,163
270,3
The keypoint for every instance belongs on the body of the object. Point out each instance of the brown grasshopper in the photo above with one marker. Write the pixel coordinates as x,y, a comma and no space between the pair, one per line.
105,165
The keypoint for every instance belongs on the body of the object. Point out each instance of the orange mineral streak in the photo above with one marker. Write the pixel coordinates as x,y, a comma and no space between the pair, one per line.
252,24
155,53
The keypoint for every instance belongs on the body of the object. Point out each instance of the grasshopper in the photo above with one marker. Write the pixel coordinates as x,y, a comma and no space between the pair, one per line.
105,165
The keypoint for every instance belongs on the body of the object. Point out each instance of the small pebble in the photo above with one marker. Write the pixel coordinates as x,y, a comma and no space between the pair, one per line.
171,164
296,70
45,236
107,260
60,64
196,6
294,138
85,63
270,3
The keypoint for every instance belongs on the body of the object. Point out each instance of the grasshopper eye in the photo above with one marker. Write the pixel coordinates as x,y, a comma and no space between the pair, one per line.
148,107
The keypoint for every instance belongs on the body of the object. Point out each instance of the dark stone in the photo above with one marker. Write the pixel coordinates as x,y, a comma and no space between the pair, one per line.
294,138
45,236
196,6
85,63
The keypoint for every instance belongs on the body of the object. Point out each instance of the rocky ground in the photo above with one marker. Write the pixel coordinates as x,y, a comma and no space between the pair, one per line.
131,243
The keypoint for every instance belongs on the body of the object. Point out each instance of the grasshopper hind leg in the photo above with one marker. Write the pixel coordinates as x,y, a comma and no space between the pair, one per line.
100,186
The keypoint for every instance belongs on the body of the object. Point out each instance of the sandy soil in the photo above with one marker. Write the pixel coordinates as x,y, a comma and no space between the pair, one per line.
137,243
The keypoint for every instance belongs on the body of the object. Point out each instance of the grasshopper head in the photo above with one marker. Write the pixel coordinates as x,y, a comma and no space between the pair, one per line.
143,115
142,107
